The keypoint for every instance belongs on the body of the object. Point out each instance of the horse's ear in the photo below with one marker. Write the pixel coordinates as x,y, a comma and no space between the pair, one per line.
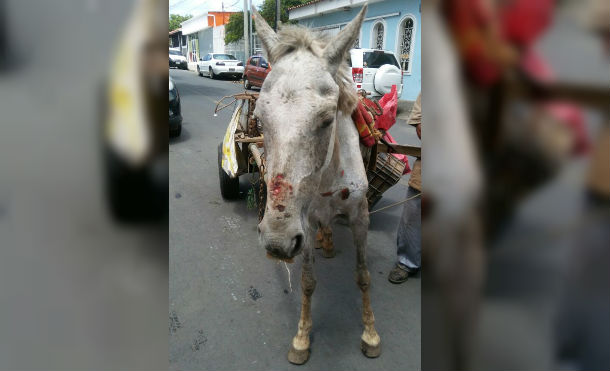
268,37
340,44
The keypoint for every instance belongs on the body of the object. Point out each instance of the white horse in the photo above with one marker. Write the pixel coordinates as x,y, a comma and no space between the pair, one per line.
314,167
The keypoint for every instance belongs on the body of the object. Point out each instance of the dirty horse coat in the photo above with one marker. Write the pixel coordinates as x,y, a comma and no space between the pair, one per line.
314,167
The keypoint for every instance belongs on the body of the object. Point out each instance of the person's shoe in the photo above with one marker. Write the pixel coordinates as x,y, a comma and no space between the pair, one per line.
398,274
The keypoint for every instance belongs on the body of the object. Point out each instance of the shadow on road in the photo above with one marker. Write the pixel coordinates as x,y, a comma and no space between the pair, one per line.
183,137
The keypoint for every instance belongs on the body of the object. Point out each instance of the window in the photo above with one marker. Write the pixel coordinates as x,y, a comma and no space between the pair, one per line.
377,59
405,40
378,36
224,57
253,61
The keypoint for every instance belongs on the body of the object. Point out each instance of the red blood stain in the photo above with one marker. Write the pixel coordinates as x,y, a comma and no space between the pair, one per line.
279,190
344,193
326,194
342,172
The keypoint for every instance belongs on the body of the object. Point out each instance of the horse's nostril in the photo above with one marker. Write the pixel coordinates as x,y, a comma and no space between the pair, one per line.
296,244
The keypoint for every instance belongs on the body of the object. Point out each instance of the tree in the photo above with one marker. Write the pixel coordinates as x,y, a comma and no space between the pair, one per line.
234,30
176,19
267,10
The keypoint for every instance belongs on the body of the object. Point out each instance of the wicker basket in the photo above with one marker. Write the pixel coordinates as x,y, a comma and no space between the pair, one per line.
387,173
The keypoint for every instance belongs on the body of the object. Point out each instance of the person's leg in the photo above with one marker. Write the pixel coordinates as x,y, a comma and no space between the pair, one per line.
408,239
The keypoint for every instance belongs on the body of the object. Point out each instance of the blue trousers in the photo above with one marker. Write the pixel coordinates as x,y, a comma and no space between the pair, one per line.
408,240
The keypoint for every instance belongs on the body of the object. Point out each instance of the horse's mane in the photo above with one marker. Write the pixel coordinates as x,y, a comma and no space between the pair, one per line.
295,37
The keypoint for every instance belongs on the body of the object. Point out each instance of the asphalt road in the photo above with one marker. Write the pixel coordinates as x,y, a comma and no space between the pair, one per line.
231,308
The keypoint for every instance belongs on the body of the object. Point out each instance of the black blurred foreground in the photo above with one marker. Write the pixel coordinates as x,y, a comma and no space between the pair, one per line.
516,176
78,288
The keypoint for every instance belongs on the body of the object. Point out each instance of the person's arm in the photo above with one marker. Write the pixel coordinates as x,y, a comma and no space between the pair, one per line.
415,116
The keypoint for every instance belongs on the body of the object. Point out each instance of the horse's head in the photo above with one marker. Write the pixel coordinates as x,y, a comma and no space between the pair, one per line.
308,87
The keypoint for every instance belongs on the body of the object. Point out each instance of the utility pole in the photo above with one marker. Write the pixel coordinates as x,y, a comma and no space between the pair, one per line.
277,15
251,35
246,34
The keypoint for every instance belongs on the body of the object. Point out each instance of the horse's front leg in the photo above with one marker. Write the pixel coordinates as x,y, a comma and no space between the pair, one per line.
299,348
371,342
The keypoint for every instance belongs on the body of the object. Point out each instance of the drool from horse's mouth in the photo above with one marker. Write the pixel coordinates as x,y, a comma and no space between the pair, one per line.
273,257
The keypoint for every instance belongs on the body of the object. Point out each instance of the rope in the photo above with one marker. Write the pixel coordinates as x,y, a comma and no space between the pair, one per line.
395,204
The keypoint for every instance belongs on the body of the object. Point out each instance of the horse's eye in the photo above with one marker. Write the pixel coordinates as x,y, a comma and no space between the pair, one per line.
326,123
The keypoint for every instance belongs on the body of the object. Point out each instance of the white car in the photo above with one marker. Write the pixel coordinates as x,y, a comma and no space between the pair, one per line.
176,59
375,71
217,64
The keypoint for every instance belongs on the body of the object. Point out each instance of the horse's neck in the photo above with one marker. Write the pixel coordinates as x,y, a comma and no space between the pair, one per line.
345,135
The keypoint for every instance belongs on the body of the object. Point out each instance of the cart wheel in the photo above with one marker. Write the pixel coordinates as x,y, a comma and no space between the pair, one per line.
229,187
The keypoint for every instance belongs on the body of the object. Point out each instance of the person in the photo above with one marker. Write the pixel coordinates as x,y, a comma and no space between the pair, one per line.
409,230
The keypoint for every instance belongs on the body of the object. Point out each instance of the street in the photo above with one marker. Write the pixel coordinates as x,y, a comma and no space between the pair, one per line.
231,308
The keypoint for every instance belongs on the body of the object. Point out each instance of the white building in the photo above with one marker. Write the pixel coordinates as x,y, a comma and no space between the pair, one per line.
205,34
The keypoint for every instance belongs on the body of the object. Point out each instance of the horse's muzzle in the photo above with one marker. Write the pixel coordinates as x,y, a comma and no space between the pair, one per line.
284,244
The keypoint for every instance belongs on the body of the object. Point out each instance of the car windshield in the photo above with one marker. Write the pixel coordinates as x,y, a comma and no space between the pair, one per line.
377,59
224,57
174,52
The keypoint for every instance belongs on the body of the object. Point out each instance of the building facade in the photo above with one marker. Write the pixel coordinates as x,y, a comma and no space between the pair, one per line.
393,25
178,40
205,34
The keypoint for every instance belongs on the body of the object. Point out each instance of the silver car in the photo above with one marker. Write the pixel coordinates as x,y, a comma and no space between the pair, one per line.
217,64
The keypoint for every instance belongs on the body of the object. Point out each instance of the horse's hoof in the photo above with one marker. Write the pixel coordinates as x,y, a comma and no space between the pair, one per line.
296,356
371,351
328,253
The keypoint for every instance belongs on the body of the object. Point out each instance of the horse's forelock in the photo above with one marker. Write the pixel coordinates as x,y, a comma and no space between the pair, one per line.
293,38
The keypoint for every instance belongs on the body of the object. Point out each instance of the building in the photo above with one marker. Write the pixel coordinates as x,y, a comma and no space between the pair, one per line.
205,34
178,40
389,24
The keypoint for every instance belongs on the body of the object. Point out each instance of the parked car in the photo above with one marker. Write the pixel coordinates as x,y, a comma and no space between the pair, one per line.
175,112
214,64
176,59
255,71
375,71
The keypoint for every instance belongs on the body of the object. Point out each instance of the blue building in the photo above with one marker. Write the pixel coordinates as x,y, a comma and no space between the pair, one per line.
389,24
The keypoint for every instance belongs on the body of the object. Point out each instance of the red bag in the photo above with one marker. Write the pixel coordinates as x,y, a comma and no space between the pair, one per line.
389,104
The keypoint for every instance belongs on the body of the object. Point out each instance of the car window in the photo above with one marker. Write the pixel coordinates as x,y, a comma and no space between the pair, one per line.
263,60
174,52
207,57
253,61
377,59
224,57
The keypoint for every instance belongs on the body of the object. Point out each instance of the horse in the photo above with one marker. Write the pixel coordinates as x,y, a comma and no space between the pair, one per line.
314,166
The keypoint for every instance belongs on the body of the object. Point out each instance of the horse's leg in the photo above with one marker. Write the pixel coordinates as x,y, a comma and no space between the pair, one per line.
371,343
324,240
299,348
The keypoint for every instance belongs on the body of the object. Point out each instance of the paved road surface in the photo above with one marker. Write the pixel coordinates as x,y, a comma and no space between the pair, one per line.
231,308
